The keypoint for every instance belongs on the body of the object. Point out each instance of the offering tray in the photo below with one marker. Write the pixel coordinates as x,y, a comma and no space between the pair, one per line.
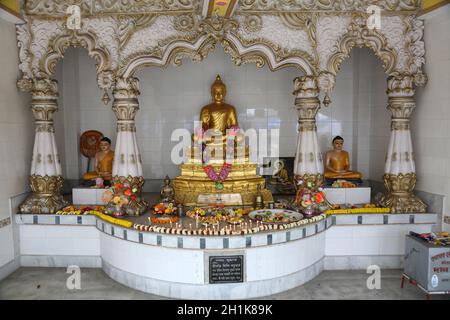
275,216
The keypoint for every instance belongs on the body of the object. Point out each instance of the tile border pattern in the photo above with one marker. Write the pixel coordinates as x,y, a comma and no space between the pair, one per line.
227,241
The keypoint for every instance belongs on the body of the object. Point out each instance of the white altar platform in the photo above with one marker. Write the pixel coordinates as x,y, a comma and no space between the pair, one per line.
87,196
358,195
176,266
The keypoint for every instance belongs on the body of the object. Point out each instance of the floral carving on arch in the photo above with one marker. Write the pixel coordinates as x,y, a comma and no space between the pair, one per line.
358,35
87,40
207,35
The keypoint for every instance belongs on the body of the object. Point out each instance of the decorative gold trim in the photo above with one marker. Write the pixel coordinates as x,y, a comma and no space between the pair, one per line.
399,196
46,195
86,40
360,36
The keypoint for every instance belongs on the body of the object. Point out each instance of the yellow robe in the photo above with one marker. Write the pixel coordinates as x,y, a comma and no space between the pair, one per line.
104,165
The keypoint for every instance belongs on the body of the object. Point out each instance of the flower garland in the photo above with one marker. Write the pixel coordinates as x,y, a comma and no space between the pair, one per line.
220,177
95,211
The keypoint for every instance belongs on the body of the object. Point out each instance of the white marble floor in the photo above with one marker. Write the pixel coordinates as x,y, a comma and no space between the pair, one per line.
50,283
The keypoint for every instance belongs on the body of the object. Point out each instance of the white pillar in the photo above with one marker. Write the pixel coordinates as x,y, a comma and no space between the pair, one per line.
45,176
400,172
308,164
127,166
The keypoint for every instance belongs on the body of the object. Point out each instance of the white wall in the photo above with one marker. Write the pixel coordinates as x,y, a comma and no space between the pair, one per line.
431,119
16,137
171,98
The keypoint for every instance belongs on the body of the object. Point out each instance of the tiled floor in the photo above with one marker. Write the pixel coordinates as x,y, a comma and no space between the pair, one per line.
50,283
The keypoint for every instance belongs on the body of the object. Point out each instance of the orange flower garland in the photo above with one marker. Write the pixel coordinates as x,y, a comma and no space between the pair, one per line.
163,220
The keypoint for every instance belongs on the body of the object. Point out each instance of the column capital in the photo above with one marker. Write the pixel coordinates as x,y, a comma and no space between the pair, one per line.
401,86
44,88
126,88
306,87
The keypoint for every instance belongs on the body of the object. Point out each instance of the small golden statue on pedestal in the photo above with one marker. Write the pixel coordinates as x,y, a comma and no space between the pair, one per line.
337,162
167,192
226,172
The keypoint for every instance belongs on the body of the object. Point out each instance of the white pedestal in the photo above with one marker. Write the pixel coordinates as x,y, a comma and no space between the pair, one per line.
348,195
87,196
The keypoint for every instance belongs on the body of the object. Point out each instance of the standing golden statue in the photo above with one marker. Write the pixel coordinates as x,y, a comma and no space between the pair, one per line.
337,162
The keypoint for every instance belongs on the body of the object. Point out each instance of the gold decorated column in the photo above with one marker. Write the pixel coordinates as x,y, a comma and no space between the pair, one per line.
127,166
400,173
45,176
308,164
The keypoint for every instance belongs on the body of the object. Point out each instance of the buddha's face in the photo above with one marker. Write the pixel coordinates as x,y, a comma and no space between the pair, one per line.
104,145
218,94
338,144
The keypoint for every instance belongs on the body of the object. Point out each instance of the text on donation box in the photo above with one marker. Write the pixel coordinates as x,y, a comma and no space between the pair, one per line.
226,269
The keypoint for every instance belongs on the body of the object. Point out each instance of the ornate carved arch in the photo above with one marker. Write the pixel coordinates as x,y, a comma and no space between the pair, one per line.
359,35
87,40
173,53
212,32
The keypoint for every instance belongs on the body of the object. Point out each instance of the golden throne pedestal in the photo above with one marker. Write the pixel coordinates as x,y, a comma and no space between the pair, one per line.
193,187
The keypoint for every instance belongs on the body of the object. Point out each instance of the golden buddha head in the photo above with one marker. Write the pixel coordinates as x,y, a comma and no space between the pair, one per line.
105,144
218,90
338,143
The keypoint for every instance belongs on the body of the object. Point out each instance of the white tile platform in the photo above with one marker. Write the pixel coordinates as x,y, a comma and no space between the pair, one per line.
358,195
87,196
174,265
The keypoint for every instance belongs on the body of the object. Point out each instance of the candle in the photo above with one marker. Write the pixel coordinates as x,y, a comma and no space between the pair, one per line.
190,226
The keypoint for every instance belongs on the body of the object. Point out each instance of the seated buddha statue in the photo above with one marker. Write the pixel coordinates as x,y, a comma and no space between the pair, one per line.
103,162
337,162
218,116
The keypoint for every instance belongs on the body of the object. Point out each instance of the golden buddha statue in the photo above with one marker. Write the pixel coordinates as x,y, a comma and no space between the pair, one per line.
240,185
103,162
337,162
218,115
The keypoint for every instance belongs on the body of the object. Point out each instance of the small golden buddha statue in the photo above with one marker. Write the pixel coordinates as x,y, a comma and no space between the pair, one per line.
218,115
103,162
167,191
337,162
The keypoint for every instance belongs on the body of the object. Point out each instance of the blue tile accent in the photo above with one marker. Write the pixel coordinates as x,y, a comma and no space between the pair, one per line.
35,220
326,223
125,235
112,231
158,240
385,219
226,243
288,236
304,233
316,228
180,242
411,219
202,243
103,226
269,239
333,220
141,238
360,219
57,220
248,242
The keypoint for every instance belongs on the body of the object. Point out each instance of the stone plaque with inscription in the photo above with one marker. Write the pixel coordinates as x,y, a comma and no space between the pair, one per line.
226,269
